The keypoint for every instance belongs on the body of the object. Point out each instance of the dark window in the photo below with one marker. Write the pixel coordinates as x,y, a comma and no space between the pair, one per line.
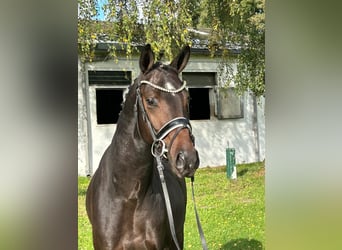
199,104
109,100
108,105
200,84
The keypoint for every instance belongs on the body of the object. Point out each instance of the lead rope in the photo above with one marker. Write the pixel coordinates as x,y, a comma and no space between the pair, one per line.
199,226
160,168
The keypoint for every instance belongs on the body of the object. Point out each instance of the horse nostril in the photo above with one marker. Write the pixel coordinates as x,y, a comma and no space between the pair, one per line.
180,161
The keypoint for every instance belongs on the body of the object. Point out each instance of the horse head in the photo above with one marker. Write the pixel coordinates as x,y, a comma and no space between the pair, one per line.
163,103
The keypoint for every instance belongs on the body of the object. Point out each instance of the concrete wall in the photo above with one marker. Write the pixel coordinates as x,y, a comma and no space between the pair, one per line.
212,137
245,134
83,150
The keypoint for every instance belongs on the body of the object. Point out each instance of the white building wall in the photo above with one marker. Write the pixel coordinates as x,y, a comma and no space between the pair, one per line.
82,131
211,135
261,127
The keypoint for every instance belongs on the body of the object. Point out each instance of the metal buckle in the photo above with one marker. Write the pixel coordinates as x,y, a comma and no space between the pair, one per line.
158,148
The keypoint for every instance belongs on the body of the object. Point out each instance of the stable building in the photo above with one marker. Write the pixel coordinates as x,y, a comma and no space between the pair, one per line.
220,118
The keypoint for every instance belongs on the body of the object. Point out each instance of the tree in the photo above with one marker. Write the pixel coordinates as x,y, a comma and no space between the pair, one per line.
241,24
162,23
165,25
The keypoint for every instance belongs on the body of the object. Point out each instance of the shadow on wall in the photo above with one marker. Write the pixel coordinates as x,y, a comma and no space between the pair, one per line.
243,244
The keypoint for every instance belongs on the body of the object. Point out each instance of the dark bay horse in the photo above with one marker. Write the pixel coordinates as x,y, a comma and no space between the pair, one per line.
125,201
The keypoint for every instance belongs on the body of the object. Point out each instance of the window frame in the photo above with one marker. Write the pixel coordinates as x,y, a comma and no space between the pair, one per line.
211,90
95,86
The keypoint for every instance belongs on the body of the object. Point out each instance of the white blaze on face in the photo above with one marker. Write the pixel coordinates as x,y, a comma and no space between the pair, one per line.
169,86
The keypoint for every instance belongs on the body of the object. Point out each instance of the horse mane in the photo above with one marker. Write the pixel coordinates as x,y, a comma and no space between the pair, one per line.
125,94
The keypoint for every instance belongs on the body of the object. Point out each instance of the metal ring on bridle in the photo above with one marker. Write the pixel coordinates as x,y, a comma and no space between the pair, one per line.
158,148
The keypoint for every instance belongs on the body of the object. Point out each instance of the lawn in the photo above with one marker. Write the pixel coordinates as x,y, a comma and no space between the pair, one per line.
232,212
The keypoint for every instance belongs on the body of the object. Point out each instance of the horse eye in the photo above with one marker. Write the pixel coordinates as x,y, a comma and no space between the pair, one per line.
151,101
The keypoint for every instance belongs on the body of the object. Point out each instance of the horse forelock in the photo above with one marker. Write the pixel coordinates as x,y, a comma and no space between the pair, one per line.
161,67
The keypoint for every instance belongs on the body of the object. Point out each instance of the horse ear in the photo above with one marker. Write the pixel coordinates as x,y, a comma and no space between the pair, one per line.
181,59
146,59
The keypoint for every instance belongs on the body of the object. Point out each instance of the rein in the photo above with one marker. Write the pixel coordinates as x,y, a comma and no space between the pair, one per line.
199,226
158,149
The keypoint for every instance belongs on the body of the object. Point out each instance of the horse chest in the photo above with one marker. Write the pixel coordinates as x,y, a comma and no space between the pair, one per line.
144,224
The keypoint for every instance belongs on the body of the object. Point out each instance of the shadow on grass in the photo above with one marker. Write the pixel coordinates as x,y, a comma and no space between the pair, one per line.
243,244
242,172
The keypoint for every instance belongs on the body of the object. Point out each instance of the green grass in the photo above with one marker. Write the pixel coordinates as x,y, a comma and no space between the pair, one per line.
84,228
232,212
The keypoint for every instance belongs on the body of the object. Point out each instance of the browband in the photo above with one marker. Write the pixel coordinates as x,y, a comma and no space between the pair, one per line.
172,91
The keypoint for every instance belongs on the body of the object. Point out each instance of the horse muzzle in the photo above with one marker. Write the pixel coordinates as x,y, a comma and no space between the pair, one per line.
187,163
181,150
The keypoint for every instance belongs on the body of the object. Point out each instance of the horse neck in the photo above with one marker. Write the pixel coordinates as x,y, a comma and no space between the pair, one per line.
130,149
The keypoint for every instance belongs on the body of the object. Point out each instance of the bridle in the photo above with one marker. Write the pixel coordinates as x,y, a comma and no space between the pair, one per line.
159,150
158,146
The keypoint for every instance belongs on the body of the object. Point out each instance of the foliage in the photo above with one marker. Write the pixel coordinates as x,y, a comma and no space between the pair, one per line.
232,212
241,24
165,25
